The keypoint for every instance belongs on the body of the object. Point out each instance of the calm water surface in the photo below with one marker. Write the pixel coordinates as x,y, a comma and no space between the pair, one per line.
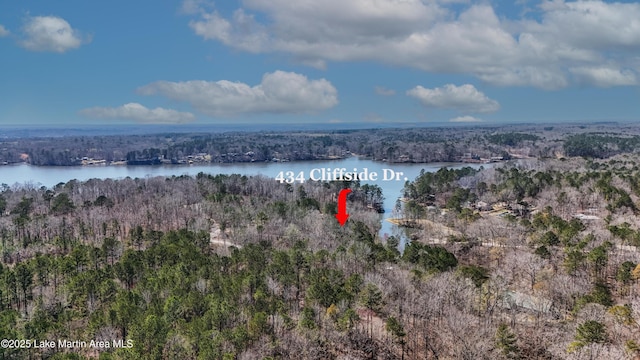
49,176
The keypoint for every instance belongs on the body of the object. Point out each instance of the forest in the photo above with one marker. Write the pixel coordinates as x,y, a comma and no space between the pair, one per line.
532,258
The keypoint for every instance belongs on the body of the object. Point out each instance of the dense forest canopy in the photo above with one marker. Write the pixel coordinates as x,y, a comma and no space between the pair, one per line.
534,258
600,146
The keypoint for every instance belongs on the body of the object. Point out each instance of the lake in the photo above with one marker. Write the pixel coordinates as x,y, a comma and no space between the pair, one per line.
49,176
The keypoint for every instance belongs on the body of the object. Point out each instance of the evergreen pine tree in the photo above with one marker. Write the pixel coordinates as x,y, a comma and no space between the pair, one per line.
506,342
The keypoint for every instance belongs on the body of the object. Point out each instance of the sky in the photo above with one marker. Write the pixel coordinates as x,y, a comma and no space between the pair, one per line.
78,62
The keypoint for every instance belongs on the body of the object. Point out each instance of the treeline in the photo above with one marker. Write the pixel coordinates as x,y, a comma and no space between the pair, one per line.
420,145
600,146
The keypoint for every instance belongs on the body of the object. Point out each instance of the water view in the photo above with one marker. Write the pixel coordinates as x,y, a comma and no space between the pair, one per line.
49,176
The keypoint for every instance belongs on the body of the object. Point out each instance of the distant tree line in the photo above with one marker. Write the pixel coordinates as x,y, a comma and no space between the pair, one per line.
421,145
511,138
600,146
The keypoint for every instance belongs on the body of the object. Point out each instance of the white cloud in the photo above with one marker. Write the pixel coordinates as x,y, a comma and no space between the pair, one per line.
592,25
3,31
381,90
436,36
243,32
139,113
465,118
279,92
604,76
50,33
462,98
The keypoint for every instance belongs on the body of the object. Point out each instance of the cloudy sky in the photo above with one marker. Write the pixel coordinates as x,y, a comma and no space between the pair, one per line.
310,61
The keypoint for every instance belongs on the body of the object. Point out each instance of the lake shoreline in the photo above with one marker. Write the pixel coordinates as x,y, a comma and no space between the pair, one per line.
360,157
50,176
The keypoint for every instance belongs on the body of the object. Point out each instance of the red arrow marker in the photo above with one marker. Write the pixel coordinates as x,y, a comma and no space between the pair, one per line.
342,215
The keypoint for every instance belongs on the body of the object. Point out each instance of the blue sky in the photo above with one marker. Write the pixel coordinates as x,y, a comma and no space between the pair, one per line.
308,61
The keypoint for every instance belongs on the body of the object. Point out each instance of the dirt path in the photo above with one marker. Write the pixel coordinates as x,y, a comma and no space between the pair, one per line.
219,238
